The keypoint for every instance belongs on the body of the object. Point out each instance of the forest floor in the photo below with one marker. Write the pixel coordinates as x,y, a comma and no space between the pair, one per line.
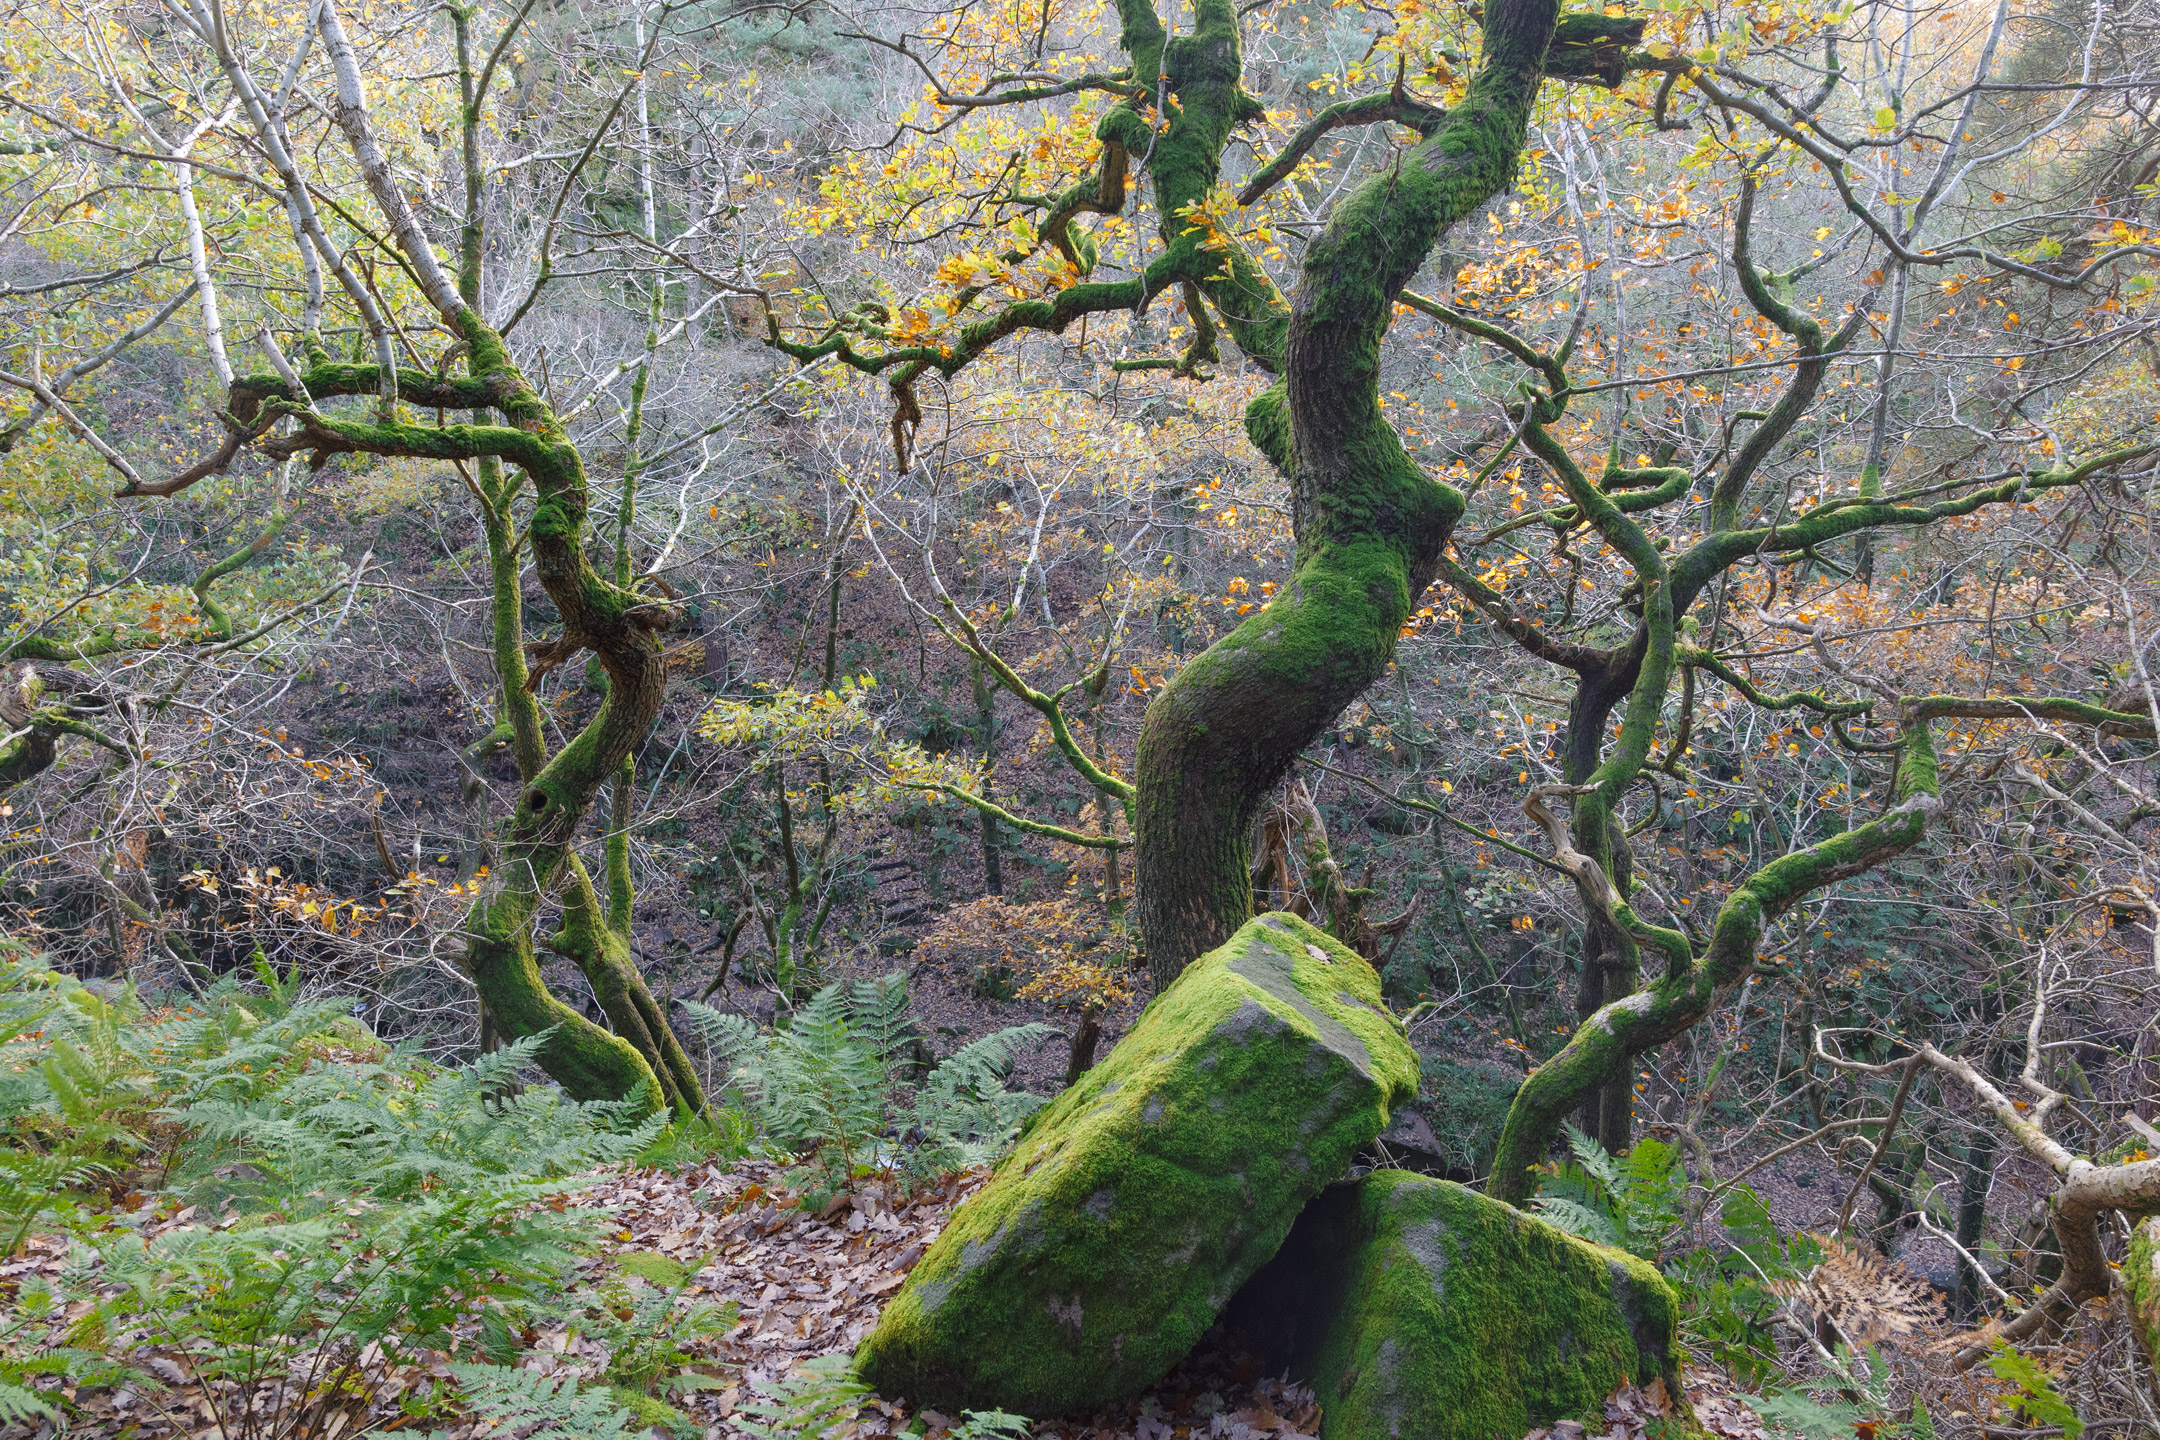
805,1285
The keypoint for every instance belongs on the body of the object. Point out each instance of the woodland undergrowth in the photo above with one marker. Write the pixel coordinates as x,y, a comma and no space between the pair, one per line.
264,1211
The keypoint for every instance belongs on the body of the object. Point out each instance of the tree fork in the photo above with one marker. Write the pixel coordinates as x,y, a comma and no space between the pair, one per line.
621,628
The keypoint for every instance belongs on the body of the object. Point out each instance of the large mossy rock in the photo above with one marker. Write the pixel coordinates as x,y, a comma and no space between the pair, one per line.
1420,1310
1139,1201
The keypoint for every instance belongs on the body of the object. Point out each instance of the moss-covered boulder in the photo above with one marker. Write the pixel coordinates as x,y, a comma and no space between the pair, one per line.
1139,1201
1418,1308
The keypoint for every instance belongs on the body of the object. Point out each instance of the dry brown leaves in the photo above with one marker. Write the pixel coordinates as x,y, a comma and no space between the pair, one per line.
1871,1300
1719,1408
1629,1412
993,944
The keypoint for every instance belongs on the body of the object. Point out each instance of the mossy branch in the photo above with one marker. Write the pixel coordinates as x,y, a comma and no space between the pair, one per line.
1394,104
1604,1045
2027,707
1770,296
1513,624
1552,367
1050,707
1813,700
1018,822
1929,707
1718,551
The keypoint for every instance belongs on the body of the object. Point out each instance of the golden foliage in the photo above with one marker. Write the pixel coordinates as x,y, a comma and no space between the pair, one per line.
994,945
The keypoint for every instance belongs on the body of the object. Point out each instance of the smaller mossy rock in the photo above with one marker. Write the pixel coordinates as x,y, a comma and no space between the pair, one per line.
1418,1308
1138,1202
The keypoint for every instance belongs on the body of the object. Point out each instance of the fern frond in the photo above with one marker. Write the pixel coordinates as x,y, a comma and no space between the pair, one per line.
878,1010
19,1403
817,1402
1577,1219
552,1405
728,1036
1870,1299
1595,1159
983,1067
1793,1413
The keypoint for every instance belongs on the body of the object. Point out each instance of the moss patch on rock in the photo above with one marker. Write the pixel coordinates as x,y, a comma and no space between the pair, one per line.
1419,1308
1137,1203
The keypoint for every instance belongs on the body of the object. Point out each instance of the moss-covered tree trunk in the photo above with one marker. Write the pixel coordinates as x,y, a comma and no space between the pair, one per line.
1370,525
2141,1277
620,627
1611,960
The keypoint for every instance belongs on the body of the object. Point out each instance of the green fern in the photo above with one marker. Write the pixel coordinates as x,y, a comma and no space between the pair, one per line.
991,1425
391,1131
819,1401
1579,1219
1865,1399
1729,1306
830,1086
646,1318
21,1403
1795,1413
541,1407
2036,1397
964,1114
1634,1202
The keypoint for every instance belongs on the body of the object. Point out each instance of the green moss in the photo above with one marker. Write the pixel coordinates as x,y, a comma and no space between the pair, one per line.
651,1413
2141,1277
1419,1308
1267,425
1139,1201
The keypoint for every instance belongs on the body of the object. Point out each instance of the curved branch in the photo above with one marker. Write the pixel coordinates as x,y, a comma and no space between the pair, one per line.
1393,105
1605,1043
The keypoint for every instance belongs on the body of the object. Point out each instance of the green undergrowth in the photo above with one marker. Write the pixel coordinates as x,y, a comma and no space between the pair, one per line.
1732,1275
354,1208
1726,1275
250,1180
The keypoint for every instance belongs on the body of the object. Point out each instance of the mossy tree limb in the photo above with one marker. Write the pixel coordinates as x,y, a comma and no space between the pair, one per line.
1603,1047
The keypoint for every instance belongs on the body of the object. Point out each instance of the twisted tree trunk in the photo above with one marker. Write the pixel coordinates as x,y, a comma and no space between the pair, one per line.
1371,526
